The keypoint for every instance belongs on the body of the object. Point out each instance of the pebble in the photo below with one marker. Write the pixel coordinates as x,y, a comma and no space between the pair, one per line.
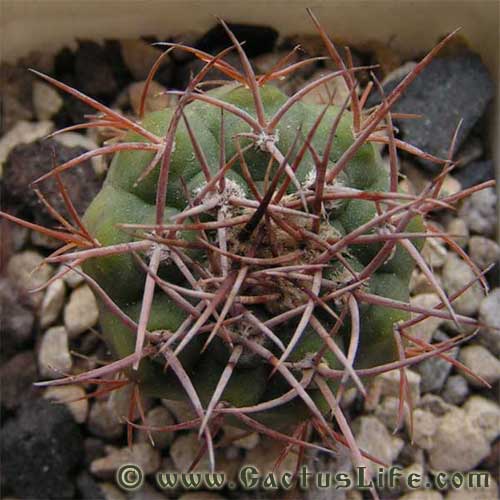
93,71
141,454
52,303
479,212
54,358
247,442
119,402
40,449
81,312
484,251
387,384
265,455
435,370
475,173
450,88
425,329
335,87
156,98
481,492
28,271
434,253
27,162
387,412
425,425
201,495
489,315
435,404
17,326
455,390
23,132
372,437
452,450
158,417
482,363
184,451
46,101
486,415
181,410
459,231
72,278
18,375
456,274
146,492
72,396
103,422
139,56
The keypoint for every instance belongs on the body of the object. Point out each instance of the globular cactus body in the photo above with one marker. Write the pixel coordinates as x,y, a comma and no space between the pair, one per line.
125,200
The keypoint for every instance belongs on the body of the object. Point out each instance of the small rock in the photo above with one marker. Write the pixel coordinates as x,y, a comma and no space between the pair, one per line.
18,375
322,94
54,358
486,415
483,251
17,325
479,212
103,422
482,488
72,396
81,312
436,405
456,274
425,329
52,303
450,88
459,231
475,173
72,278
141,454
184,450
388,410
372,437
420,285
181,410
158,417
452,448
434,371
434,253
27,162
46,101
40,449
248,442
23,133
481,362
44,241
265,455
139,57
13,112
28,271
425,425
455,390
387,384
93,71
155,99
119,402
489,315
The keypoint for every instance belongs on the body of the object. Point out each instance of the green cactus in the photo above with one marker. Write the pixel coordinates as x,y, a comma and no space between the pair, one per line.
124,200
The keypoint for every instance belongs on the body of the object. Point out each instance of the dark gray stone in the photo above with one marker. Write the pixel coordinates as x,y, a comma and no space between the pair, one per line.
40,449
449,89
475,173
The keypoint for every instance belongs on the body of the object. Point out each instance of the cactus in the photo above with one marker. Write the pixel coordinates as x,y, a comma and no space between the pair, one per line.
251,253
